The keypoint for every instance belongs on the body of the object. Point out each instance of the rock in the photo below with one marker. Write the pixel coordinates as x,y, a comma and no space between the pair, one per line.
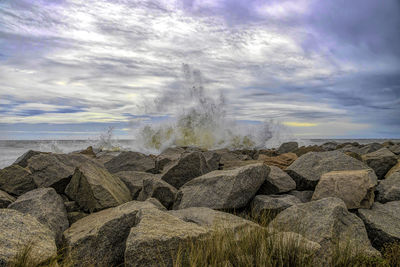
380,161
230,165
387,143
287,147
75,216
230,189
395,148
382,222
272,205
267,152
394,169
99,239
189,166
354,155
131,161
88,151
307,169
212,219
355,188
105,156
55,170
369,148
329,146
155,240
18,230
282,161
389,189
5,199
212,159
47,207
94,188
228,156
168,156
304,196
342,145
325,221
23,160
305,149
277,181
156,203
71,206
133,180
16,180
159,189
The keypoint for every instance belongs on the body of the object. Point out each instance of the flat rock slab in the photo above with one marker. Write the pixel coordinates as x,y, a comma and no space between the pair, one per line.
381,161
228,189
325,221
156,239
94,188
131,161
277,182
355,188
282,161
18,230
382,222
47,207
307,169
99,238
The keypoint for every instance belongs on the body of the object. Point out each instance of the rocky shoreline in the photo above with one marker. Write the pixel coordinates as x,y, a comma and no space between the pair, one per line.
110,208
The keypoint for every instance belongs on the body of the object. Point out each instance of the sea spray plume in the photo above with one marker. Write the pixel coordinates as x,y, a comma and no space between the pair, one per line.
202,121
106,141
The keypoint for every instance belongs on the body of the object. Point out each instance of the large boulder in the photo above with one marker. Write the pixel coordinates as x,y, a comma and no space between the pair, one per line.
133,180
159,189
212,159
277,182
382,222
16,180
230,189
287,147
395,148
157,237
355,188
131,161
381,161
5,199
389,189
307,169
99,239
23,160
18,230
329,146
306,149
168,156
55,170
212,219
394,169
190,165
325,221
47,207
282,161
94,188
273,204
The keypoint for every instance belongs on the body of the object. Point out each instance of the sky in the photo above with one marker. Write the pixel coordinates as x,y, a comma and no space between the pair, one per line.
324,69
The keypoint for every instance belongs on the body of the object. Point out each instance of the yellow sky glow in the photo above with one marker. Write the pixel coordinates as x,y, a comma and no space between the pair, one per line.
299,124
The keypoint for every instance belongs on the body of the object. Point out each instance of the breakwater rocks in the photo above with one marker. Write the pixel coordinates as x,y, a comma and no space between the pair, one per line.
112,208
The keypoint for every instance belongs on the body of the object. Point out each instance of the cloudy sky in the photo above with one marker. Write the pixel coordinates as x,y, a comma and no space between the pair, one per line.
70,69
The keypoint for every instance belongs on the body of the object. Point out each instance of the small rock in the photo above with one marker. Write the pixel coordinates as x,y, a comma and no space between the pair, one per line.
282,161
355,188
304,196
307,169
17,230
382,222
16,180
329,146
133,180
47,207
212,159
88,151
287,147
230,189
272,205
5,199
159,189
380,161
94,188
306,149
277,181
131,161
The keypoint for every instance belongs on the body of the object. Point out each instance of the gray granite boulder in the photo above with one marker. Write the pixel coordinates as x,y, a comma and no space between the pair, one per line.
159,189
382,222
389,189
304,196
272,205
23,160
381,161
277,182
133,180
228,189
47,207
307,169
288,147
5,199
94,188
131,161
18,230
16,180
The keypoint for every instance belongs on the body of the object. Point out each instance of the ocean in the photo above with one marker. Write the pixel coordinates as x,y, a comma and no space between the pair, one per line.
10,150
